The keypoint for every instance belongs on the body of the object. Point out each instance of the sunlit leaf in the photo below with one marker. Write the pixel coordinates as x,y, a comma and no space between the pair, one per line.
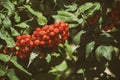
14,32
40,18
72,7
7,23
48,58
17,17
22,25
66,16
8,5
10,42
59,68
11,74
104,51
33,55
77,37
80,71
89,48
4,58
16,64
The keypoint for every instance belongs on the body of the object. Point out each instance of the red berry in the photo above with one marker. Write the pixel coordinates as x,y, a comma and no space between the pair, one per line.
52,34
22,41
56,30
37,42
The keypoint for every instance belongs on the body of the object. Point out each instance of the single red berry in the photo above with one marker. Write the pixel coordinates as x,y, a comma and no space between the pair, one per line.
18,37
37,42
56,30
52,34
22,41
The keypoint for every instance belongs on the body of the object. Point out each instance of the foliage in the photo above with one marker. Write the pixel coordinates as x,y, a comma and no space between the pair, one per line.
91,52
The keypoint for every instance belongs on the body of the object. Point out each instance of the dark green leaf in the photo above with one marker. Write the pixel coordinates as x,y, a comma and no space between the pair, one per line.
8,5
40,18
66,16
22,25
77,37
16,64
7,23
4,58
48,58
104,51
11,74
2,71
89,48
14,32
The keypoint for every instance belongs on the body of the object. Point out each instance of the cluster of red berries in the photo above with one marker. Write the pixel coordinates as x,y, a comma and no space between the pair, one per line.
51,35
25,45
47,37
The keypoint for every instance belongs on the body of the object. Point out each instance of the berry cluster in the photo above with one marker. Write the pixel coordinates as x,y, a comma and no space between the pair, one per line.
51,35
24,44
47,37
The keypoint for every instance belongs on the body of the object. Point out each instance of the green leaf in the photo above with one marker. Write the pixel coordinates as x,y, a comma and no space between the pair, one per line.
89,48
104,51
80,71
85,7
59,68
14,32
106,34
4,58
2,71
55,54
8,5
17,17
66,16
77,37
10,42
11,74
40,18
22,25
72,7
48,58
7,23
16,64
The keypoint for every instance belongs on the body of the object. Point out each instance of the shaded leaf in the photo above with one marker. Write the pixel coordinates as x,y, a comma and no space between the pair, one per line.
89,48
66,16
77,37
16,64
14,32
4,58
104,51
40,18
11,74
2,71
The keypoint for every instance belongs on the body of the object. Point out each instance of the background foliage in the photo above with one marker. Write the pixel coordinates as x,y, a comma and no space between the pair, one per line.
90,53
